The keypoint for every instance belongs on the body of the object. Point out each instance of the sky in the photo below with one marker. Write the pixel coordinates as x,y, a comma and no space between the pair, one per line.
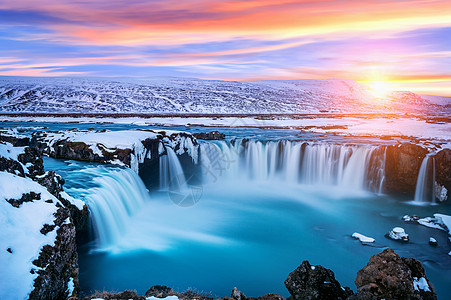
403,45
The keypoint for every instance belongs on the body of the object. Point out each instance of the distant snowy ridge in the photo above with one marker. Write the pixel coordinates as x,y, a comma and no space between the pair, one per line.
187,95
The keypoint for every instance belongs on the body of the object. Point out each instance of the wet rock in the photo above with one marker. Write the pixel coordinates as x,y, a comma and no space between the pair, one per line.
125,295
237,295
213,135
160,291
443,171
433,242
411,219
401,168
315,282
388,276
398,234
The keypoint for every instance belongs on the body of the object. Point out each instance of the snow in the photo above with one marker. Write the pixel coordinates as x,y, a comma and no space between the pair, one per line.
397,127
167,298
77,202
70,286
127,139
9,152
189,95
421,284
431,223
432,240
445,219
398,233
363,238
21,232
312,267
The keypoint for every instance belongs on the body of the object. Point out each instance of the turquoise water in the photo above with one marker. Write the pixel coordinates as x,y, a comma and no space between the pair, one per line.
251,234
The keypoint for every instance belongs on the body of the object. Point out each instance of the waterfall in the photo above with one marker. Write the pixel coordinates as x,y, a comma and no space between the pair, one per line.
424,191
356,167
119,194
172,176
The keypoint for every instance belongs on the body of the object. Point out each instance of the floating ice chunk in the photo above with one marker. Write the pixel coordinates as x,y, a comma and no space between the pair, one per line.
363,238
446,220
421,284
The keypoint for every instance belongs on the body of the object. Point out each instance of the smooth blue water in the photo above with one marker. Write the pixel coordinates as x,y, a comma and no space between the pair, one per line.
252,235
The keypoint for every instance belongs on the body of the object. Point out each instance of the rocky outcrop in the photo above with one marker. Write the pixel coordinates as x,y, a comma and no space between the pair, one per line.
238,295
42,262
54,184
54,264
443,173
401,168
57,265
388,276
315,282
125,295
138,149
213,135
398,234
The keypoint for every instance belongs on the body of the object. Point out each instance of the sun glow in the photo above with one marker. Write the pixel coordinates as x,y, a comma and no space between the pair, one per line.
380,89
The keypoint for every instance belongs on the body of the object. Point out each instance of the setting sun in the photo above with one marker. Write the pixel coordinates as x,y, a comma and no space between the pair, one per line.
380,89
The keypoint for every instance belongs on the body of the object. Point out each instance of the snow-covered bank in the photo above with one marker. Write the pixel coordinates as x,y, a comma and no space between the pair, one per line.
434,134
130,147
38,231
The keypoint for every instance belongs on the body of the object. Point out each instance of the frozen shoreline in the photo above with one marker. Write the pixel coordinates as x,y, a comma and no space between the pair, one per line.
422,130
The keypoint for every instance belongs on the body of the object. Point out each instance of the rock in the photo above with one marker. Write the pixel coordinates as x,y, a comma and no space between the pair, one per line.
54,184
388,276
443,170
237,295
41,236
125,295
213,135
433,242
398,234
440,192
315,282
401,168
411,219
160,291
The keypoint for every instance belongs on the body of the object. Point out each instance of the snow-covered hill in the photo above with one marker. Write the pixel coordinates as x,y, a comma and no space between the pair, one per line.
184,95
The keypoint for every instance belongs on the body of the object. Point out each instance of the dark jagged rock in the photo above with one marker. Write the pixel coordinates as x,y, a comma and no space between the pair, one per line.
54,184
32,157
443,169
315,282
213,135
27,197
159,291
58,263
16,141
401,168
389,276
238,295
125,295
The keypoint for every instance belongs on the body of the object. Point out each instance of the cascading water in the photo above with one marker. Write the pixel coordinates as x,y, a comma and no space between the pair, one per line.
119,194
172,176
296,162
424,191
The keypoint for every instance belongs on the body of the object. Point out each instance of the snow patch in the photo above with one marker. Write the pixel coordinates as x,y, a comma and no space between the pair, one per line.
363,238
421,284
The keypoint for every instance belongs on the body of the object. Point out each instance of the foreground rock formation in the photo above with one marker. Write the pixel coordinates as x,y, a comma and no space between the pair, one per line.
386,276
389,276
38,252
